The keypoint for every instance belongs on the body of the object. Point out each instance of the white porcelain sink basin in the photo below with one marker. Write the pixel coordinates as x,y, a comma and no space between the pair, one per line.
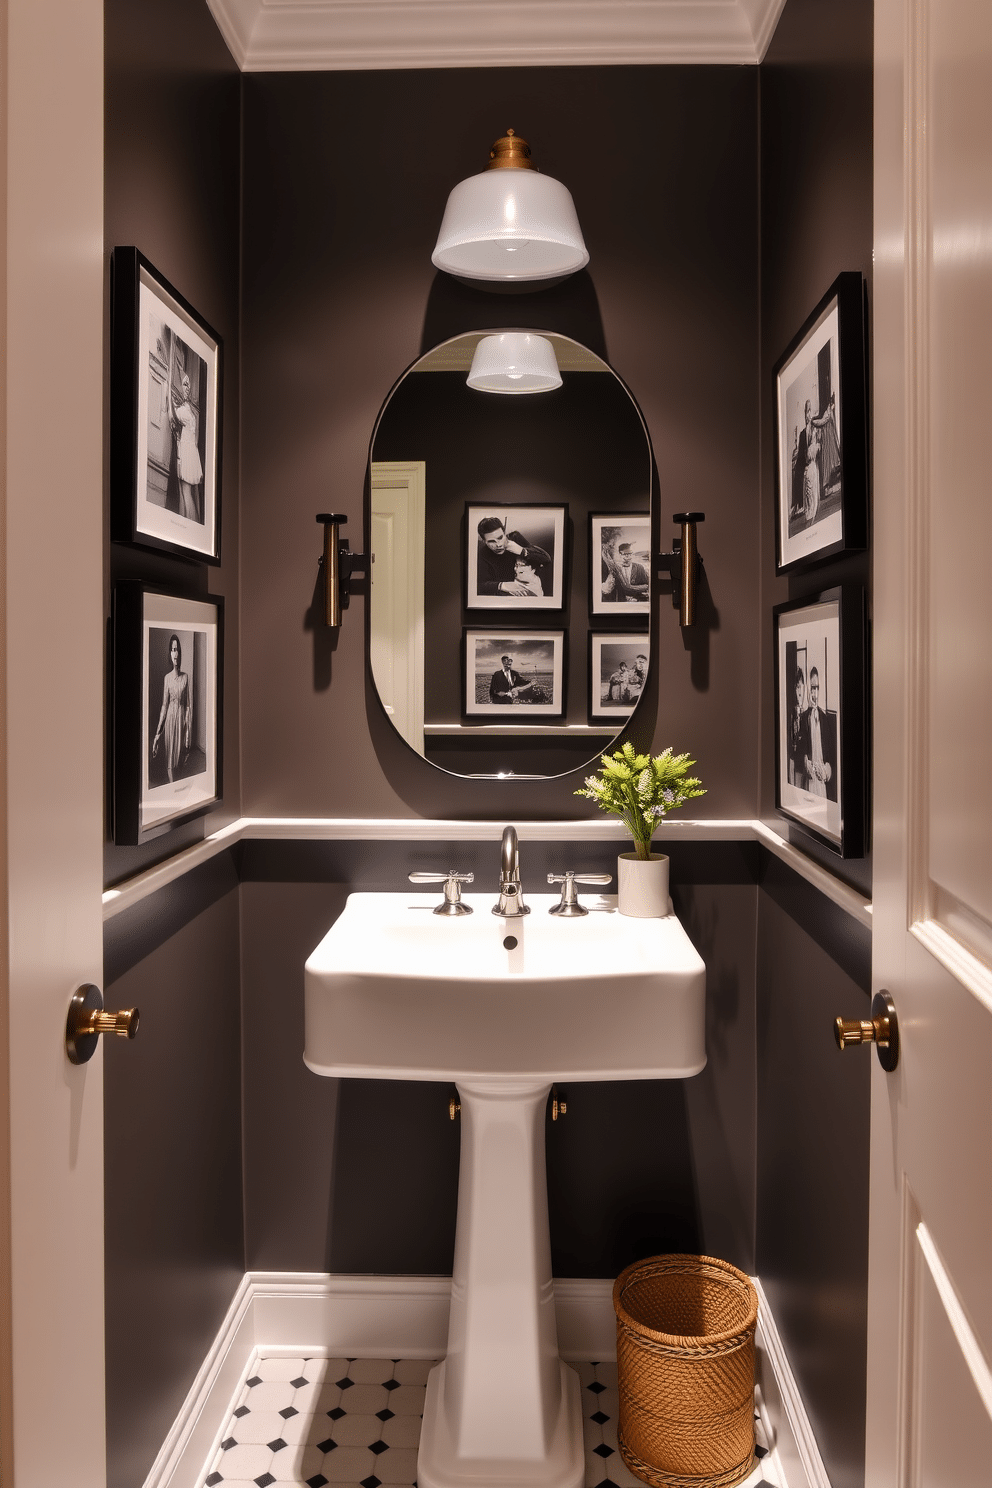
503,1007
394,991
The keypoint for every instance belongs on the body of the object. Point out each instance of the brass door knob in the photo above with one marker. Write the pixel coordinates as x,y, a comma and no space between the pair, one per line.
881,1029
87,1019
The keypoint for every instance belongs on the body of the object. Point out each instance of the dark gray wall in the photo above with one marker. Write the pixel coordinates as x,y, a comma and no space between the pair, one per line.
174,1230
343,198
813,961
816,221
173,1200
172,189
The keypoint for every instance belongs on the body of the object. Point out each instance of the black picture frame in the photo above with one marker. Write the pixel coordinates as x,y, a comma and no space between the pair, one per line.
166,412
545,527
540,660
620,604
821,782
821,462
612,699
157,786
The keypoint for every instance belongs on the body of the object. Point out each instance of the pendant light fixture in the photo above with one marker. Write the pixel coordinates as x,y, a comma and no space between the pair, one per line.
510,222
514,362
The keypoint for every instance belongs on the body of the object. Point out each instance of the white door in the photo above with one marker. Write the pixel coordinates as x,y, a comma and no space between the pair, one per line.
930,1297
51,734
396,584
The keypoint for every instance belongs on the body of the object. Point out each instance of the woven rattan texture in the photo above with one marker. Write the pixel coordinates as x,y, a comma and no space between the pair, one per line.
685,1359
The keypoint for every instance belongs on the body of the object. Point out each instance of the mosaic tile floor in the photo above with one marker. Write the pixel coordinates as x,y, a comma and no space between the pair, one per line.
355,1423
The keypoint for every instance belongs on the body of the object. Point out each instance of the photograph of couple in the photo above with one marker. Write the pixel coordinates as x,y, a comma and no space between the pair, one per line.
514,672
515,557
810,438
618,670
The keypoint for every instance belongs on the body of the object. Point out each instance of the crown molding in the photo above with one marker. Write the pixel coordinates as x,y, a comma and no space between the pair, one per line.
343,35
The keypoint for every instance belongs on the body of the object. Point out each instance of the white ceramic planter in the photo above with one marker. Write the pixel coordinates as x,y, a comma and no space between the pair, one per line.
642,886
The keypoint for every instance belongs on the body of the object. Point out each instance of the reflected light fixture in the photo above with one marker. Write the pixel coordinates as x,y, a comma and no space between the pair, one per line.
510,223
514,362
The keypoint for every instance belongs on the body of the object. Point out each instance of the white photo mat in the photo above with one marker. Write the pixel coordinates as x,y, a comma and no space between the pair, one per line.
162,803
155,304
538,658
798,381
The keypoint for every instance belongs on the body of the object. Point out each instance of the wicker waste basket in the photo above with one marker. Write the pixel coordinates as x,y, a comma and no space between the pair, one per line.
685,1358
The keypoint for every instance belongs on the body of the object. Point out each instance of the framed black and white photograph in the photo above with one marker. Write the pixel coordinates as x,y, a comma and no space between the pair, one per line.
618,670
168,691
514,675
515,557
620,564
166,372
821,432
821,766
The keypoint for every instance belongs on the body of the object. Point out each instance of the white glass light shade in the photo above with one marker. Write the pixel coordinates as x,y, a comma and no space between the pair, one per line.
514,362
510,224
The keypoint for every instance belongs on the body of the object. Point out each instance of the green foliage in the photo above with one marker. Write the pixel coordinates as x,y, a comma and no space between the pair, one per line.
641,790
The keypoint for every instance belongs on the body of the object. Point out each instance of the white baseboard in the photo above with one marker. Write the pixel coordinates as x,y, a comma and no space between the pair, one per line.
790,1425
397,1317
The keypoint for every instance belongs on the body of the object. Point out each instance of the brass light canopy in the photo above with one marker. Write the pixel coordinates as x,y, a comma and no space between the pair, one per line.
510,223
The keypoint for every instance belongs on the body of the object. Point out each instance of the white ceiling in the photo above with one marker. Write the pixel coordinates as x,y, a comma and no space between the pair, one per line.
331,35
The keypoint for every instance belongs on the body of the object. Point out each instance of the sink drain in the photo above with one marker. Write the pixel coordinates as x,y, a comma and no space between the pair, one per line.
510,943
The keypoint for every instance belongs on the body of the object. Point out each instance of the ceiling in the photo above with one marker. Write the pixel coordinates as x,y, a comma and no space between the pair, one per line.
333,35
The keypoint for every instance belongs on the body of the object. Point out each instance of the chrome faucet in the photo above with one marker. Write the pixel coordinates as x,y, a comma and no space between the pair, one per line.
511,901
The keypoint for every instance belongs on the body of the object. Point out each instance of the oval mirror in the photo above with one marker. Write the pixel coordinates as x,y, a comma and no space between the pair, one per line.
511,580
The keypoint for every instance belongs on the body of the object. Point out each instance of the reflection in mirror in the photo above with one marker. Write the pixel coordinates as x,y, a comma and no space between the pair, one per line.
511,582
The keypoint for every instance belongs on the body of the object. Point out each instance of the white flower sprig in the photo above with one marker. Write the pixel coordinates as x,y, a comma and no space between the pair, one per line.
641,790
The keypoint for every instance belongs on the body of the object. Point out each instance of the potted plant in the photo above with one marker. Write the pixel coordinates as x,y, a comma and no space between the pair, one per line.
641,790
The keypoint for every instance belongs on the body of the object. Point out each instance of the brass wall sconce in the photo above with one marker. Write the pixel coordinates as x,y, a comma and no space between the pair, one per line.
339,566
683,566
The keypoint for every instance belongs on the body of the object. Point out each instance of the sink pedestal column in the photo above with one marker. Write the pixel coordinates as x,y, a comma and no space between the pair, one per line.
502,1409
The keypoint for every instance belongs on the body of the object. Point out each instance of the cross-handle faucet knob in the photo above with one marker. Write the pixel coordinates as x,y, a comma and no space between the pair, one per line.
569,906
451,904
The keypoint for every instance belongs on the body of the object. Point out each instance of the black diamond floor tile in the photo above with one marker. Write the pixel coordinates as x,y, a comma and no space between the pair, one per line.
345,1383
265,1480
256,1379
383,1415
336,1413
371,1481
242,1410
596,1387
327,1446
600,1418
213,1480
288,1412
391,1384
277,1445
606,1484
317,1481
299,1382
227,1444
761,1451
379,1446
603,1450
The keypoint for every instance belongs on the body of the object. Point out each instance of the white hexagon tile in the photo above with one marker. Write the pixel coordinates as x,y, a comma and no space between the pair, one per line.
355,1423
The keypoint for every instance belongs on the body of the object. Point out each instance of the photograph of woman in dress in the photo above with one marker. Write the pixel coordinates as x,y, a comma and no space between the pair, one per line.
176,717
188,464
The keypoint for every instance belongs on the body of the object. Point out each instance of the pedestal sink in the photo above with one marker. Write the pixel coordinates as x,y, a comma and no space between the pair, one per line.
504,1008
